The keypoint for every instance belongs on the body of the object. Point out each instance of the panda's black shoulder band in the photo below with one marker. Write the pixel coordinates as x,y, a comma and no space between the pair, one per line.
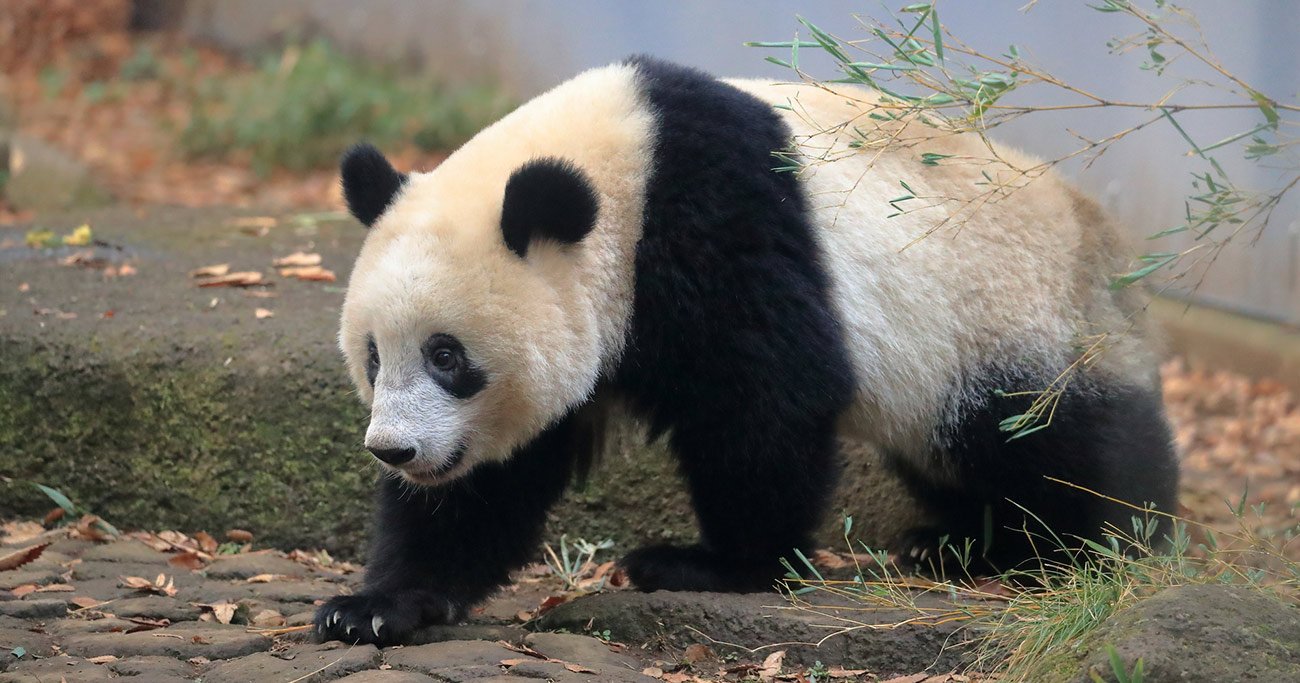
369,182
547,198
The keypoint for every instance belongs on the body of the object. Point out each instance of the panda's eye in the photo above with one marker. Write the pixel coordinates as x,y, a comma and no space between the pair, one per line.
372,361
444,359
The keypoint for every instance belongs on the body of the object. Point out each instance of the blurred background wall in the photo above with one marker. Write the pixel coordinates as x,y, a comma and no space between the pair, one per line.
528,45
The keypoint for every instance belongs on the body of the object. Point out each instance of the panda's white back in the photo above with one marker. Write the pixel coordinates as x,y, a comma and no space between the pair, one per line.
973,281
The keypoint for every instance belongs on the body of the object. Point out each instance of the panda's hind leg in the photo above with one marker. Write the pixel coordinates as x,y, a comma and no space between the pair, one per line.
1000,503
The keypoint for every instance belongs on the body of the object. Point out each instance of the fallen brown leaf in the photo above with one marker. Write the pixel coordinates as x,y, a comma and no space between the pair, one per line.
263,313
56,588
653,672
222,611
771,666
161,585
53,516
246,278
102,659
696,653
206,542
211,271
187,560
147,624
25,589
580,669
265,578
21,556
85,602
297,258
24,287
239,536
309,273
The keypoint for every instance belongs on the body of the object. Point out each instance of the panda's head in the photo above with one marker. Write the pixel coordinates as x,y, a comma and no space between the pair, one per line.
465,327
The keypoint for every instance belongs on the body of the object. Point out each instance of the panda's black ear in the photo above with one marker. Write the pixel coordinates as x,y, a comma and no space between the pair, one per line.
369,182
549,199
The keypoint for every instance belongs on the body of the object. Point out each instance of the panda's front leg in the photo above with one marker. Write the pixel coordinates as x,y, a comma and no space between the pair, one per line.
437,551
759,491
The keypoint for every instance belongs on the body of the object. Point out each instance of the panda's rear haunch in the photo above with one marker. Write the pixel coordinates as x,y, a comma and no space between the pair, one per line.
626,235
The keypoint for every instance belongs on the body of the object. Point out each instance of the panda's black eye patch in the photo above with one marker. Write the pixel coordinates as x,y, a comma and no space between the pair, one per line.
447,363
372,360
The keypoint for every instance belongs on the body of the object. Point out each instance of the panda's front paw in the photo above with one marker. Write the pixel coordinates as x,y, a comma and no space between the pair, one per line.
383,618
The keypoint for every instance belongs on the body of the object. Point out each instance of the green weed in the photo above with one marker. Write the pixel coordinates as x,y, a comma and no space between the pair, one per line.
302,107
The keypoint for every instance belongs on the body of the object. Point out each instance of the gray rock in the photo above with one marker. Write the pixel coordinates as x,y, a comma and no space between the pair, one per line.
755,620
1198,634
299,663
554,671
18,577
182,641
43,178
584,650
55,669
102,569
488,632
247,565
125,551
153,667
296,591
70,627
436,657
34,609
36,644
397,677
153,607
301,618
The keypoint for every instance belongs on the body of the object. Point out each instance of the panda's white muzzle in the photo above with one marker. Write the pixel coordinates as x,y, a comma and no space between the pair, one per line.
415,427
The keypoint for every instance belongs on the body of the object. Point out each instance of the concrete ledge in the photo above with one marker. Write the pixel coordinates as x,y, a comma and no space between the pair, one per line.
1230,341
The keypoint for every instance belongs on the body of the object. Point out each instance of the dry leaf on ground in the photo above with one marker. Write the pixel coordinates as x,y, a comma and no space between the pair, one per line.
21,556
309,273
187,560
263,313
222,611
771,667
245,278
161,585
297,258
239,536
211,271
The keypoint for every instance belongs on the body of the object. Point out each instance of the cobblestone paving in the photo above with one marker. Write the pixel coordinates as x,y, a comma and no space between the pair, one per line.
73,614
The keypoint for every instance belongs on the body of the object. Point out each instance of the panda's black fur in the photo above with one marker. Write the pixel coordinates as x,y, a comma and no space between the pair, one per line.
735,353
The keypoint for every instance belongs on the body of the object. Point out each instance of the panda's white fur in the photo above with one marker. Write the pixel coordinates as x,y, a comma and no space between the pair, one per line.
625,234
1023,276
542,328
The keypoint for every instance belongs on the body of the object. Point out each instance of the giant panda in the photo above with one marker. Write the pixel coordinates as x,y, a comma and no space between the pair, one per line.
629,235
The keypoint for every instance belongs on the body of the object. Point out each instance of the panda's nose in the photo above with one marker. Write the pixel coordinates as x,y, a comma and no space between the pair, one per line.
393,456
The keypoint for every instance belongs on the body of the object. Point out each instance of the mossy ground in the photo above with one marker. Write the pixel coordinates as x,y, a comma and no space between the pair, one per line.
182,410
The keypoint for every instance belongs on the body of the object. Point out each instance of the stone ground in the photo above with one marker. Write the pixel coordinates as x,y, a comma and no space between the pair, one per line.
88,611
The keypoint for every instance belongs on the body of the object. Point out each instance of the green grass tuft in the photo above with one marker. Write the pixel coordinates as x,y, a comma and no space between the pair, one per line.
301,108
